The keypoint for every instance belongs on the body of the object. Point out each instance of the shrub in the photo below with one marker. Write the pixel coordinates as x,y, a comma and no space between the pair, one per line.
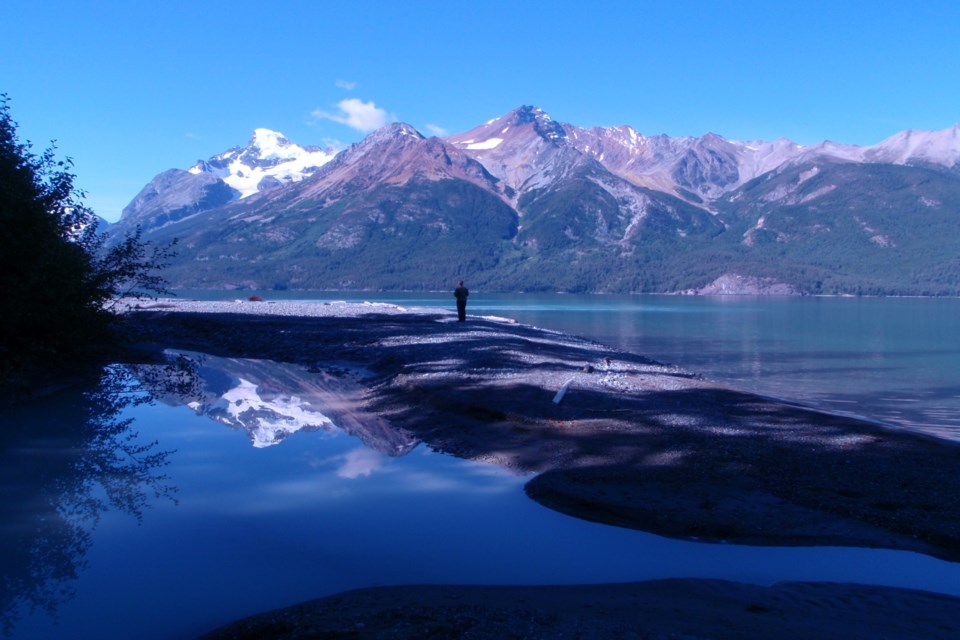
56,279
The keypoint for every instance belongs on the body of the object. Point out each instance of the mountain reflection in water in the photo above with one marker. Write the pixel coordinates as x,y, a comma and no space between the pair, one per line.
63,464
272,400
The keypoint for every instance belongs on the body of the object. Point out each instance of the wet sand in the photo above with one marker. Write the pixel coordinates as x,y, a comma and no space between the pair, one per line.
632,442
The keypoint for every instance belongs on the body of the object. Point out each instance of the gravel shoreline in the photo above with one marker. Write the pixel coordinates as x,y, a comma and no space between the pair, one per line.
304,309
685,609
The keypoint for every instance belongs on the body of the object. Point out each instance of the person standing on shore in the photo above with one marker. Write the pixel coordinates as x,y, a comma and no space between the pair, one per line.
461,293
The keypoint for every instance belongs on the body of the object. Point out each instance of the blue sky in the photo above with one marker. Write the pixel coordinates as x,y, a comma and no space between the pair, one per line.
131,88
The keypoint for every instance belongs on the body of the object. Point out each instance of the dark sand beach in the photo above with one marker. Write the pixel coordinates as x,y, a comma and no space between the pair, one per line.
632,443
654,610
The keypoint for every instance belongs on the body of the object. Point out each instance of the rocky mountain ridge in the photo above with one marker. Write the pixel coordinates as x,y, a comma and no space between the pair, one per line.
708,166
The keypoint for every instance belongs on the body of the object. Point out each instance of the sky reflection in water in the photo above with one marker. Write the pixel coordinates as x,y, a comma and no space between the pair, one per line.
320,512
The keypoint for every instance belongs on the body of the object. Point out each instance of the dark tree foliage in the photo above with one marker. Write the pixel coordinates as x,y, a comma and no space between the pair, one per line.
56,279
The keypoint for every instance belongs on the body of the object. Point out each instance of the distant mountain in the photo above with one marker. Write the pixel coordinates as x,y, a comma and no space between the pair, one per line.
916,147
697,169
525,203
852,228
389,211
269,160
573,210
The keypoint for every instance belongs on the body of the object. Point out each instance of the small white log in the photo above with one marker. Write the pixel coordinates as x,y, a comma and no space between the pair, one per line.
563,390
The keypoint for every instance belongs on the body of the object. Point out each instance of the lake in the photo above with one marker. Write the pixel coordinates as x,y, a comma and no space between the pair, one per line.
162,515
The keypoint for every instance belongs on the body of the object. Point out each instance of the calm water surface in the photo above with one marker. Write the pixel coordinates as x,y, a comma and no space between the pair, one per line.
125,518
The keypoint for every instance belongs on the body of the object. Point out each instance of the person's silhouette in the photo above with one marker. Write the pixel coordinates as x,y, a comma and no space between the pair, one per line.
461,293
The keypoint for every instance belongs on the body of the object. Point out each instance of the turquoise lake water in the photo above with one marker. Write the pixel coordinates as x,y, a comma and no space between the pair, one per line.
124,519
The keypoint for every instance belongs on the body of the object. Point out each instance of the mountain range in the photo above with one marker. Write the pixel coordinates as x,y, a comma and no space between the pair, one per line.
526,203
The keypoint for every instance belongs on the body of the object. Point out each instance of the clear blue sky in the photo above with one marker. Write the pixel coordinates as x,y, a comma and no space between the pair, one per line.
131,88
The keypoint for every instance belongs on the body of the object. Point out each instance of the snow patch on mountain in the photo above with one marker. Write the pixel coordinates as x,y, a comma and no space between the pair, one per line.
268,160
486,144
267,421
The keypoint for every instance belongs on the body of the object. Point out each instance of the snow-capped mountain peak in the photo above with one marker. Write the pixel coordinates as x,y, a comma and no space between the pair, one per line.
524,148
268,160
936,147
525,125
272,144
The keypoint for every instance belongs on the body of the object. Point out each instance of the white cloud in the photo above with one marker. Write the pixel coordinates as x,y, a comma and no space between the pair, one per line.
357,114
435,130
347,85
360,462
